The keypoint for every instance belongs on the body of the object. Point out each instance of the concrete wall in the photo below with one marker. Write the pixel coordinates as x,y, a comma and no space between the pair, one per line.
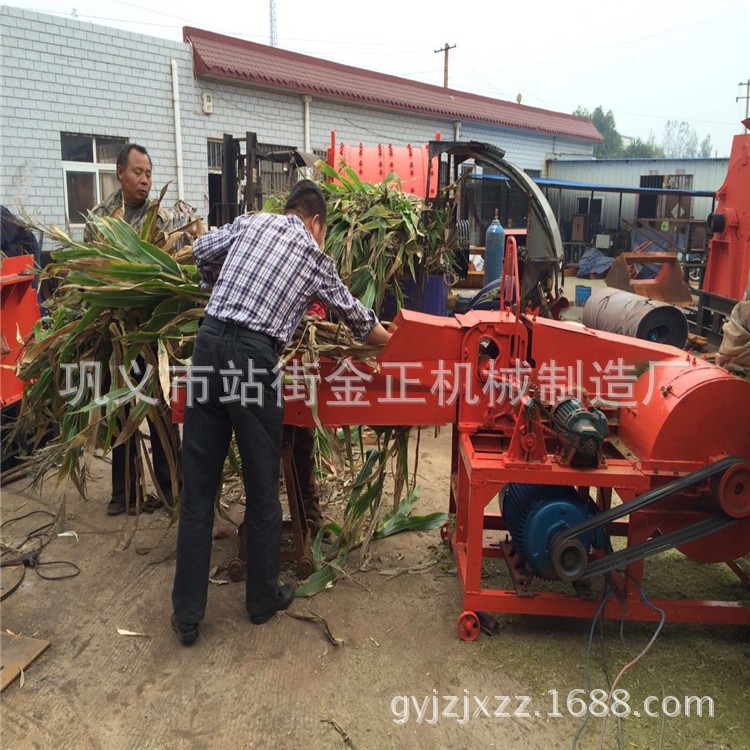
63,75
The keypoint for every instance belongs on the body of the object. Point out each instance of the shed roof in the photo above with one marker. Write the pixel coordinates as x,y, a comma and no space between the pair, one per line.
225,57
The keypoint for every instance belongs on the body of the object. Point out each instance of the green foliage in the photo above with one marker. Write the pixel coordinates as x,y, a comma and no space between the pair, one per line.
605,124
639,149
680,140
378,234
120,298
362,517
706,148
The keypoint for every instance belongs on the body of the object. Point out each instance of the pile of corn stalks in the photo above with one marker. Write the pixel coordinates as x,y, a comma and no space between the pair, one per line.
378,235
120,300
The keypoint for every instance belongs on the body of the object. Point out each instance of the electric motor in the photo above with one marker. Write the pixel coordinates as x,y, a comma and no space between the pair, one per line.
582,431
535,513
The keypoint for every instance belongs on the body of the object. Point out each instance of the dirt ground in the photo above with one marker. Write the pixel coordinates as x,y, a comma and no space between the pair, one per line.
284,685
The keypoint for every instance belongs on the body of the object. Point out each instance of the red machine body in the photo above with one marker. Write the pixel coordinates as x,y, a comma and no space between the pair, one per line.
20,311
375,163
728,265
668,415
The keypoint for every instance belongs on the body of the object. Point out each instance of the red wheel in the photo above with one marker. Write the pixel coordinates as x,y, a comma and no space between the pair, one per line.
445,533
734,491
468,626
236,569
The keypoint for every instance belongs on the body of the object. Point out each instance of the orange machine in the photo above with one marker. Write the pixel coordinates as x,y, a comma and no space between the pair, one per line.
728,266
550,422
375,163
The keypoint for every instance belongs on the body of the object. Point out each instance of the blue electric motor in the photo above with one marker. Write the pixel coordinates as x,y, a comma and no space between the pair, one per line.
535,513
494,251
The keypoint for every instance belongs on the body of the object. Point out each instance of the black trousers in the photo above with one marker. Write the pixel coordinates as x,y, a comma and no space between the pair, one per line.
207,431
123,463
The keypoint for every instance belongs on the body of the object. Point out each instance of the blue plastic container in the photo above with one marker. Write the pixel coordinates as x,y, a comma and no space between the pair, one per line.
494,251
583,292
429,296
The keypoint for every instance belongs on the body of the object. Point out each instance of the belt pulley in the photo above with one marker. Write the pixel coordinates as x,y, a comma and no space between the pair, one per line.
570,557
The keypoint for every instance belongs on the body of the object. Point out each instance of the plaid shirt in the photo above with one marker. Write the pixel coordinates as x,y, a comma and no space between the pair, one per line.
267,270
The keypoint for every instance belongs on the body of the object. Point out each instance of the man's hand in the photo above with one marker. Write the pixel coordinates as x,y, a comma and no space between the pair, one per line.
378,335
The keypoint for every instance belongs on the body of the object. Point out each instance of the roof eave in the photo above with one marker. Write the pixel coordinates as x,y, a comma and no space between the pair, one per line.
203,70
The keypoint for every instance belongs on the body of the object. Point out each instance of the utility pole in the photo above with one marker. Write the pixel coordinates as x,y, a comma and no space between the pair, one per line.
445,49
746,98
272,14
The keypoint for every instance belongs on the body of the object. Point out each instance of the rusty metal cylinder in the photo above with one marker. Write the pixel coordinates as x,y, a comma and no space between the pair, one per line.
615,311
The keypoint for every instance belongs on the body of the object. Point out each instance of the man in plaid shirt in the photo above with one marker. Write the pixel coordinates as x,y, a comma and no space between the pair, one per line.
266,270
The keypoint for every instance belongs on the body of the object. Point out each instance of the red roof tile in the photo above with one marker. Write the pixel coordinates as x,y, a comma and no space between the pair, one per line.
219,56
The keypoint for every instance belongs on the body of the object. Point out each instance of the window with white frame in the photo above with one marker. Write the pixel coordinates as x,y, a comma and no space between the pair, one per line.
89,165
215,151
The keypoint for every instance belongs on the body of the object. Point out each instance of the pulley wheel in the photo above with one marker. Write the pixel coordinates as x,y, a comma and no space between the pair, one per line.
733,491
569,559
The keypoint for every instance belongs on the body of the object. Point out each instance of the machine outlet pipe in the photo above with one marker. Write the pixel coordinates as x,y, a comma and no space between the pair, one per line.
177,128
629,314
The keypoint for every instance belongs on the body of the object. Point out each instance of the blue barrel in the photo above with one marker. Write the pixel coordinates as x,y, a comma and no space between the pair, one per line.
430,295
583,292
494,251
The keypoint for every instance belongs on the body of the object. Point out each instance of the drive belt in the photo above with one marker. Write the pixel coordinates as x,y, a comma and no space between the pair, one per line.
570,558
658,544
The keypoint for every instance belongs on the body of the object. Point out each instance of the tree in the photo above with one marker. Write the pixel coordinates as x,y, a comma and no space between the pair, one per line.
605,124
680,140
706,147
640,149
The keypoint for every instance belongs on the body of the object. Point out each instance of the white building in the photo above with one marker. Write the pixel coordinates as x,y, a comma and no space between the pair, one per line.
73,93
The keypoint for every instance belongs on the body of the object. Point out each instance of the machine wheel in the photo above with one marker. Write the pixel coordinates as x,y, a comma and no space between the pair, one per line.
445,534
734,491
305,567
569,559
236,569
468,625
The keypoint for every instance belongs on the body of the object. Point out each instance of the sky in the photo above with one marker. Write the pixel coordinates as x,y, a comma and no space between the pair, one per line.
648,61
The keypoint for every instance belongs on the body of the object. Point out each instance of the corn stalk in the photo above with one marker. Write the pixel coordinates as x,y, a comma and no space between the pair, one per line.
379,236
121,300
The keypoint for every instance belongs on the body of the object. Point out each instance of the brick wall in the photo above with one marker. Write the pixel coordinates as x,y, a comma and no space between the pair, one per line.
63,75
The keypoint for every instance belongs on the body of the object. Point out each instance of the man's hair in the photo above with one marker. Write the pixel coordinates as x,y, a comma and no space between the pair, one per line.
124,155
305,200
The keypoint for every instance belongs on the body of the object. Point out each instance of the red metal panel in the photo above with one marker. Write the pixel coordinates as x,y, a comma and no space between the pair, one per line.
19,310
728,264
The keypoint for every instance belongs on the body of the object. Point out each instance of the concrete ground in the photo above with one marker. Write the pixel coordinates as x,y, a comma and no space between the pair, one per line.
284,685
